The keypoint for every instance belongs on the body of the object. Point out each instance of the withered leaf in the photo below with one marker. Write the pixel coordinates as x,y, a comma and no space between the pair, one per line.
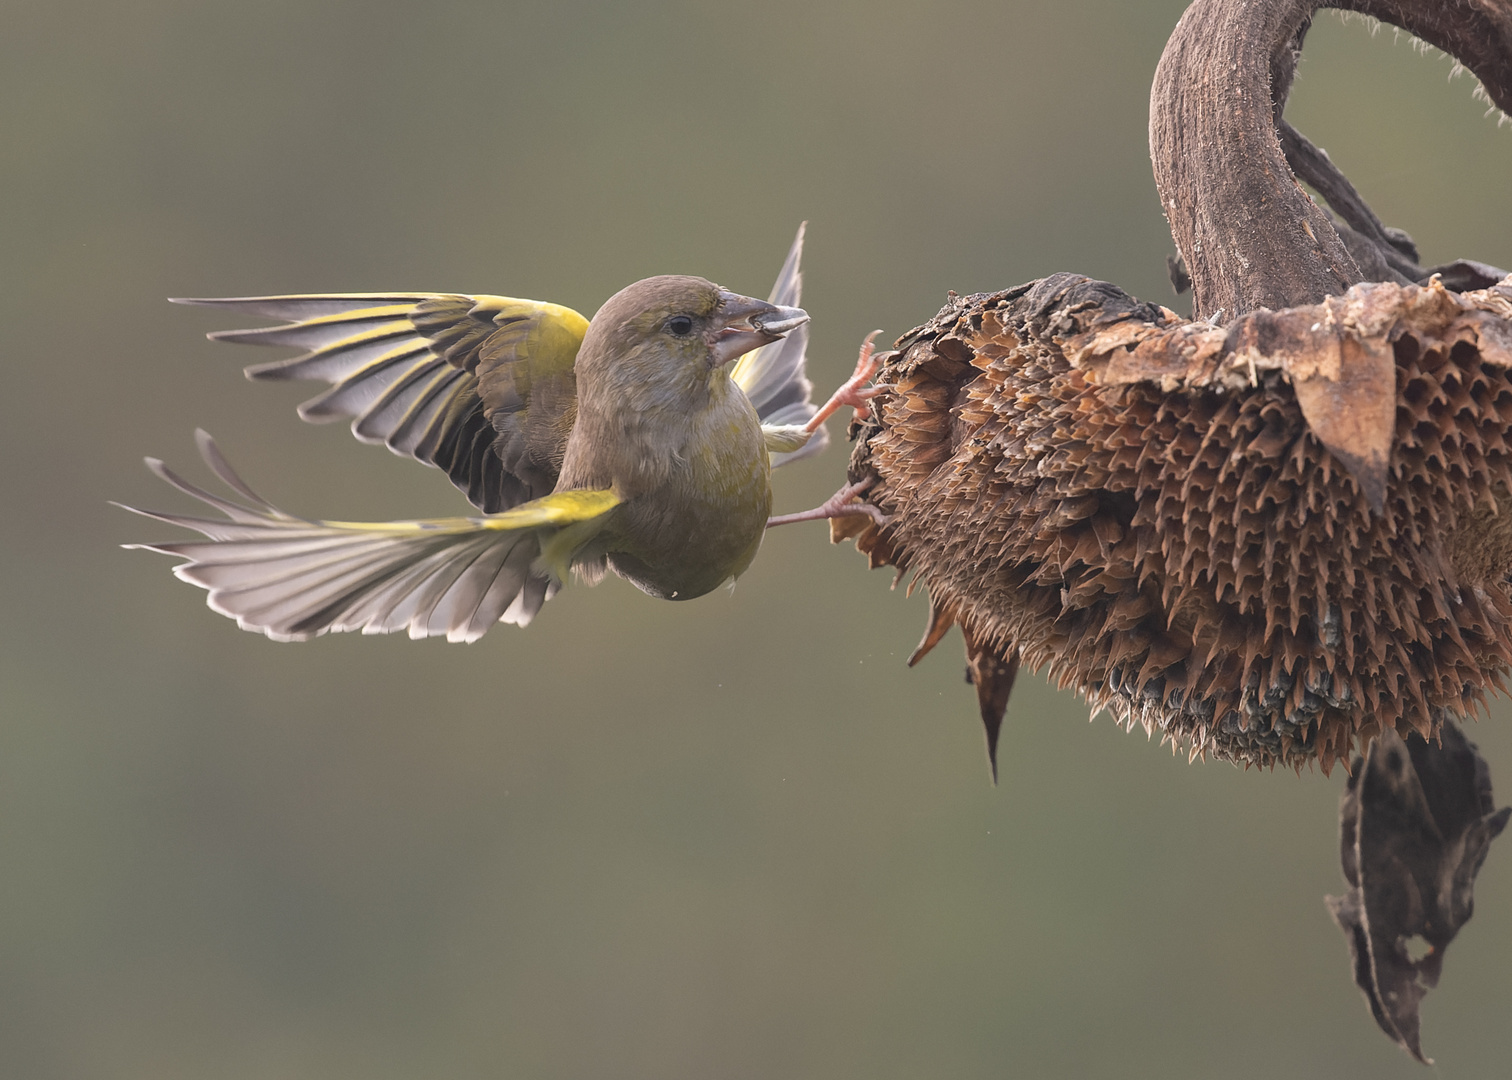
1416,822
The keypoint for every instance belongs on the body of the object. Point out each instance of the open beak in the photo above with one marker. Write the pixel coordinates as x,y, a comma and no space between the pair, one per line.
746,324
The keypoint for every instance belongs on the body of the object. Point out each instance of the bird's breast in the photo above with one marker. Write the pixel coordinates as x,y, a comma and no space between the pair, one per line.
703,523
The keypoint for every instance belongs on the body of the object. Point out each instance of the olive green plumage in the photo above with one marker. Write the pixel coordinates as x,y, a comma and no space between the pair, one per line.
662,425
633,443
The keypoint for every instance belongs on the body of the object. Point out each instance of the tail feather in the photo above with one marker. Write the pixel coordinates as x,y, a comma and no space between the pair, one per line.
292,578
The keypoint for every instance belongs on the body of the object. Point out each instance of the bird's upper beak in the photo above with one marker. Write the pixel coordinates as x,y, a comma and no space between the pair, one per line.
744,324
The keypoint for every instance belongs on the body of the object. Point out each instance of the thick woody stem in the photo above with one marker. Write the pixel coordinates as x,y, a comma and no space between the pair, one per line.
1249,235
1477,33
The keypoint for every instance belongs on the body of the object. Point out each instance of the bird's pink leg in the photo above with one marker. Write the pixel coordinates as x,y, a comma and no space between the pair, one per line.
840,504
854,391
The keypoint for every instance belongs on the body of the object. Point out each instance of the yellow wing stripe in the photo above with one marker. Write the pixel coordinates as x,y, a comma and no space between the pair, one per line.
398,323
390,311
556,510
506,308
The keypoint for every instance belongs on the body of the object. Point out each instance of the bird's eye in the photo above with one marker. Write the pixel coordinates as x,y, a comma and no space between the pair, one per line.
680,325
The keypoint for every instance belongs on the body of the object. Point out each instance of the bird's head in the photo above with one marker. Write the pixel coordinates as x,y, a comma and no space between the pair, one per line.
675,335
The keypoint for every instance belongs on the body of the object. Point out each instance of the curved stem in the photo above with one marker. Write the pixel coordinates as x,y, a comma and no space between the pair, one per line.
1249,235
1477,33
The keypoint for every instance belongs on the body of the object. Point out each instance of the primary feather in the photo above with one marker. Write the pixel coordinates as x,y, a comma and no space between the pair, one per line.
481,387
294,578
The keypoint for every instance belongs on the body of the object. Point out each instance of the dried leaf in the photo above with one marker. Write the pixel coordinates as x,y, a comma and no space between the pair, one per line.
1416,822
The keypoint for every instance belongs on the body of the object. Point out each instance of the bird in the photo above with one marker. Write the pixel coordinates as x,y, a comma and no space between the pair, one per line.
639,443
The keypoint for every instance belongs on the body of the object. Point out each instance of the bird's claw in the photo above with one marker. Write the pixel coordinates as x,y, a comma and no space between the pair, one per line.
854,391
840,504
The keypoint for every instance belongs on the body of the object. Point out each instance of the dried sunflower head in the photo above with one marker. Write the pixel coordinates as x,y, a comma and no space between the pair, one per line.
1265,540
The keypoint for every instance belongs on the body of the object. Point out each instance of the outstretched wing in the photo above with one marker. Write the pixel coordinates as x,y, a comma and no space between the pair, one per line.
294,579
773,376
481,387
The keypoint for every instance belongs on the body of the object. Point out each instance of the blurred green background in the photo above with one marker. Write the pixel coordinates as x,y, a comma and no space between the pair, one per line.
730,838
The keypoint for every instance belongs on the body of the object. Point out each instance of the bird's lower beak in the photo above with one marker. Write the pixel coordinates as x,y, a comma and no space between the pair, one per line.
746,324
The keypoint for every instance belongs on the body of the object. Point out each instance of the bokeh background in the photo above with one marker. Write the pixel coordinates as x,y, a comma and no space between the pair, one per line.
730,838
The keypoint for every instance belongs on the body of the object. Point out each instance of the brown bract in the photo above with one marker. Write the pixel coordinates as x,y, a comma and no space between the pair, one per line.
1264,540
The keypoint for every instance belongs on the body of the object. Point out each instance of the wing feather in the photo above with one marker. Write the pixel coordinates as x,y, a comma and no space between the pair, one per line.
774,376
358,393
329,332
300,307
411,408
448,379
346,358
293,578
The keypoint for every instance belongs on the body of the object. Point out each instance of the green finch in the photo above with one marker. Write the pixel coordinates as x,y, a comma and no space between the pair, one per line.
641,442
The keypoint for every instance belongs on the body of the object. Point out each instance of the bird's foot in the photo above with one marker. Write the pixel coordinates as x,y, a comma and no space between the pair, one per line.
854,391
840,504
